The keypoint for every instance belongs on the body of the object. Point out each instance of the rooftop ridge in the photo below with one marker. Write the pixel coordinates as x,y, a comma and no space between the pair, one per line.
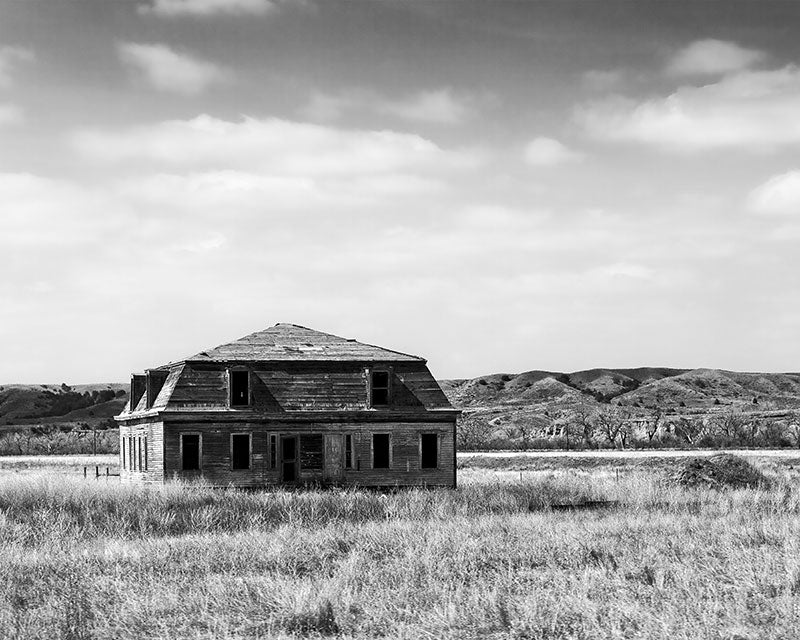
285,341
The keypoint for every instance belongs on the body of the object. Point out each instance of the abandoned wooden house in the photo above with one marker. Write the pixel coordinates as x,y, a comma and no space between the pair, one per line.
290,405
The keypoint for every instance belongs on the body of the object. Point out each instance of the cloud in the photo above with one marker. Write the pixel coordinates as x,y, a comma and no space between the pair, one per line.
10,57
10,114
709,57
167,70
602,79
440,106
754,110
207,8
547,152
437,106
780,195
270,146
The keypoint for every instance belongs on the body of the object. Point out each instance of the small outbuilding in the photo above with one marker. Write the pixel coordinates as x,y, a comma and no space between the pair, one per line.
290,406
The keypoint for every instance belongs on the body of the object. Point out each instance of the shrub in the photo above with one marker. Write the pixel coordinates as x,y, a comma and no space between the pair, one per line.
721,471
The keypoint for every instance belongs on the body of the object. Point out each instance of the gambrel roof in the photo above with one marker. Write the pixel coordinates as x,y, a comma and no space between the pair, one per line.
292,343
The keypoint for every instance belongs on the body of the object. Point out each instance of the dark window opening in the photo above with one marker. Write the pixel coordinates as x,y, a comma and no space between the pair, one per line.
190,458
380,450
145,453
311,452
240,451
288,458
348,452
139,452
379,389
131,452
124,459
273,451
240,388
430,450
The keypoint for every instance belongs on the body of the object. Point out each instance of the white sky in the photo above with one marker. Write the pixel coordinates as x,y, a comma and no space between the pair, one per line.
495,186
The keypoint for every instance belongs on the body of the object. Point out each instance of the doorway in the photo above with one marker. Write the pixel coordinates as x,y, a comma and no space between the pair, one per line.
289,458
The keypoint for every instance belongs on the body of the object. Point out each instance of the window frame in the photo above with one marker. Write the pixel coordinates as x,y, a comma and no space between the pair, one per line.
199,451
438,437
249,435
231,371
388,434
349,451
371,388
274,441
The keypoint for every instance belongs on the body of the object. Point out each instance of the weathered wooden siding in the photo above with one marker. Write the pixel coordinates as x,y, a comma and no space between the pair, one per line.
215,454
141,452
299,386
405,465
169,386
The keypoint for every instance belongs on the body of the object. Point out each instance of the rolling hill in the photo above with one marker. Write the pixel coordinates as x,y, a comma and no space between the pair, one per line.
46,404
528,405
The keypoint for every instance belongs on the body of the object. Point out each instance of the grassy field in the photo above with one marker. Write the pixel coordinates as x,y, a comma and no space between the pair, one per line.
501,557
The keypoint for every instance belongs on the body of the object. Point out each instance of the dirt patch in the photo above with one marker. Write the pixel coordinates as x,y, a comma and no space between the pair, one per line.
721,471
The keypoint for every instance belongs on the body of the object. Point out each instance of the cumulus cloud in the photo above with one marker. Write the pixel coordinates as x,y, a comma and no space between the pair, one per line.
206,8
547,152
709,57
746,109
271,145
780,195
10,57
440,106
437,106
167,70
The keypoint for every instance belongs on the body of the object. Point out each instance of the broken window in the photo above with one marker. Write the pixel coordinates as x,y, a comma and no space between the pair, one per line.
348,452
379,389
240,388
273,451
190,451
240,451
311,452
429,450
380,450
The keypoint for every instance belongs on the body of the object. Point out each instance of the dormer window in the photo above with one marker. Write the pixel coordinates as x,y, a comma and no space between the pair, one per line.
379,388
239,380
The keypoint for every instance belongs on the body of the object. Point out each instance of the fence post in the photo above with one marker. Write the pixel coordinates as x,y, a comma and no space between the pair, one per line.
84,472
97,471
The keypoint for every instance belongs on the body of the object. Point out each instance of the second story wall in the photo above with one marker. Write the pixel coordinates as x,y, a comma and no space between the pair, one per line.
314,386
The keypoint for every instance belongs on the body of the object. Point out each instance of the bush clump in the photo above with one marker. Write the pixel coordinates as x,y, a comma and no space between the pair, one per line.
720,471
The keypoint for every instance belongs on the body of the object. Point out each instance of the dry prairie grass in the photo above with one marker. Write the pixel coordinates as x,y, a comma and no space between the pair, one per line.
99,560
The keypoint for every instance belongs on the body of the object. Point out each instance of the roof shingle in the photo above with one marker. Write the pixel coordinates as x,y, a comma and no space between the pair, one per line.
291,342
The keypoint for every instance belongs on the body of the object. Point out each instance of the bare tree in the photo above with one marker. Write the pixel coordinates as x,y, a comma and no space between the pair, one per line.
527,431
473,433
731,424
577,422
654,419
563,426
691,429
610,422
